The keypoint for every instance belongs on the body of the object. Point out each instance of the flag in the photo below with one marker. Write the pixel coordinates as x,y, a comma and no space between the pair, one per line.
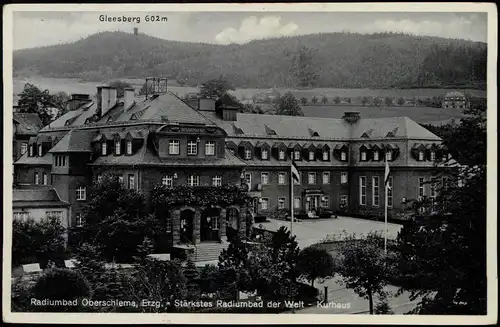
387,173
295,172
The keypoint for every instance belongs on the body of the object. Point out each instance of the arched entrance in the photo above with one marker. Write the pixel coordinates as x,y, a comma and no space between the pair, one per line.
186,230
232,222
210,225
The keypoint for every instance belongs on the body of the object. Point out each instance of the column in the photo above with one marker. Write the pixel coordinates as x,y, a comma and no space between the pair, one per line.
223,223
176,226
243,221
196,226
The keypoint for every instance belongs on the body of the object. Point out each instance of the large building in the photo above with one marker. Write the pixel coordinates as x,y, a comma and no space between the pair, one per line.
162,139
455,100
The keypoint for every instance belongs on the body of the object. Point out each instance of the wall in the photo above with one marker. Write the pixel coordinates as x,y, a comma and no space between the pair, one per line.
39,213
26,174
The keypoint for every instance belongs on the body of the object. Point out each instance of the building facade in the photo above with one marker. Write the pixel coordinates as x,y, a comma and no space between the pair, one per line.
455,100
162,139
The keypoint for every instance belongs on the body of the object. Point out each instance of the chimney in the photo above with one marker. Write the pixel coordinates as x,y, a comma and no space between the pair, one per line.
351,117
128,98
136,31
77,100
106,99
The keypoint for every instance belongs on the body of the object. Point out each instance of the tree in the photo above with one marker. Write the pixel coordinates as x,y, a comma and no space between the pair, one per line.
60,101
303,101
192,280
288,106
215,88
448,253
349,100
336,100
365,101
364,266
388,101
61,284
303,67
314,99
120,87
324,99
377,102
32,99
41,241
209,281
233,268
315,262
400,101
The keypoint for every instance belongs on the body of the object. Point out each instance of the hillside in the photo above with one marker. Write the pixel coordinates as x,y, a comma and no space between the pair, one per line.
342,60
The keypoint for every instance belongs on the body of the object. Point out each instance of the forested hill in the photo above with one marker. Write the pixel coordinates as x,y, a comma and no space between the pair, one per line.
343,60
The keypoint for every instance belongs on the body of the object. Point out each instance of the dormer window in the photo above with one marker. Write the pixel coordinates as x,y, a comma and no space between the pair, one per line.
296,155
311,155
433,156
281,155
343,156
264,154
363,155
248,154
325,155
129,147
40,153
388,155
421,155
376,155
118,148
104,148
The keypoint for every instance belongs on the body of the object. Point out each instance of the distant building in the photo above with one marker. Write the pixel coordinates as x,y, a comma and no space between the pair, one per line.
25,125
455,100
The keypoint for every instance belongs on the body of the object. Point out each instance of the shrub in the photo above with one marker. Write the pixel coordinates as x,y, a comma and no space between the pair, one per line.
315,262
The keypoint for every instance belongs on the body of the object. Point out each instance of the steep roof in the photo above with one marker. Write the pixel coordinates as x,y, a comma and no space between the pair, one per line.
37,161
74,141
28,123
36,197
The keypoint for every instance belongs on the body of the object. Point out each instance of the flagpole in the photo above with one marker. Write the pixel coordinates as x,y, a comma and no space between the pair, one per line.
291,201
385,221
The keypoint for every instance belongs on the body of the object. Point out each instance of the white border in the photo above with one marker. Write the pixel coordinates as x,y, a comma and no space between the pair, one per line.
117,318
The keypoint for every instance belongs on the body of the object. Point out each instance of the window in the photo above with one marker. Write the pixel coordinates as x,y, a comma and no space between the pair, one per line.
120,179
131,182
217,180
21,216
433,156
296,202
461,182
281,178
433,190
248,178
129,147
215,222
81,193
311,155
326,178
63,161
31,150
312,178
193,180
343,156
362,190
210,148
167,180
37,178
343,201
363,156
40,152
53,214
79,220
248,154
264,154
264,203
389,192
24,148
325,155
281,155
118,147
421,190
99,178
388,155
192,148
343,177
445,183
375,191
298,182
375,156
104,147
325,202
264,178
281,203
168,225
421,155
173,147
296,155
44,178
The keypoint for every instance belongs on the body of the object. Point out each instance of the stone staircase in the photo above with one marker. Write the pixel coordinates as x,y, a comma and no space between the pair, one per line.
208,251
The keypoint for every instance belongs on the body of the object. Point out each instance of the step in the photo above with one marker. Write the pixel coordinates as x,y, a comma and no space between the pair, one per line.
208,251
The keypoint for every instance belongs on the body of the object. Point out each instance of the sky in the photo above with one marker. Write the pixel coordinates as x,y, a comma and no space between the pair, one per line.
34,29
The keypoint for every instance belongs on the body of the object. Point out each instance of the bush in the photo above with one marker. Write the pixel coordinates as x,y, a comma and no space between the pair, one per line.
307,293
315,262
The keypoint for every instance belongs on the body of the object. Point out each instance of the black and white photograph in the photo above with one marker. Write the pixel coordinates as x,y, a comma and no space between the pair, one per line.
301,163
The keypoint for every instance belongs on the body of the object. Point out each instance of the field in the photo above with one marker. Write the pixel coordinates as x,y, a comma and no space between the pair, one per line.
419,114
